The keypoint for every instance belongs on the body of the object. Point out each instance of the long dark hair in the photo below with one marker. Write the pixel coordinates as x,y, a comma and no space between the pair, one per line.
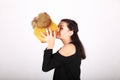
73,26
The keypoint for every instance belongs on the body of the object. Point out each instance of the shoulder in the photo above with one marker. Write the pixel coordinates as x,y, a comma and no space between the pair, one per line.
67,50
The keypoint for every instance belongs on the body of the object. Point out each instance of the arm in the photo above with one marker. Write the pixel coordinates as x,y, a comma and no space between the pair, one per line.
46,60
50,60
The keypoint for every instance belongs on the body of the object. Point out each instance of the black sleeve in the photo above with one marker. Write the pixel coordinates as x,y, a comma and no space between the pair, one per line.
51,60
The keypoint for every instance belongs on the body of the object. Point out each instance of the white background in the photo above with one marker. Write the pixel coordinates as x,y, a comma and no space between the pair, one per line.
21,53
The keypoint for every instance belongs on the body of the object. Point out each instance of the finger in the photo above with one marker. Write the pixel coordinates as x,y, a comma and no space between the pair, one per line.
54,34
43,35
50,32
47,32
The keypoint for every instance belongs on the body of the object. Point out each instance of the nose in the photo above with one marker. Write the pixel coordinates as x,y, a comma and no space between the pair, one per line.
58,31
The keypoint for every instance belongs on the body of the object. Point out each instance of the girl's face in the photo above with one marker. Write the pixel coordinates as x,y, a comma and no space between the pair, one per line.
63,30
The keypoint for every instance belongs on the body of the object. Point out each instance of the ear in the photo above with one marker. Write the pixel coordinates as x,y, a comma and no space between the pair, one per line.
70,33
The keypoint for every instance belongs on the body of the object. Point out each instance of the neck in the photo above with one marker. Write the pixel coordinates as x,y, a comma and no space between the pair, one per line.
66,41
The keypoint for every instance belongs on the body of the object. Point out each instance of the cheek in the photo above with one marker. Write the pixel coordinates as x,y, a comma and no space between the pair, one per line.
63,33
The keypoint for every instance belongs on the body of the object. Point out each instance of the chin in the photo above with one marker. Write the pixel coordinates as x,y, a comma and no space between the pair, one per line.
58,37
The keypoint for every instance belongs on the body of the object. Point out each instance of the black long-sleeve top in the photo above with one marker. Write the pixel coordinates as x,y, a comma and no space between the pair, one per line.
66,68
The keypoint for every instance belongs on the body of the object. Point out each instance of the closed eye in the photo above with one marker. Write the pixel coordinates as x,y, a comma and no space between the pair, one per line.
61,28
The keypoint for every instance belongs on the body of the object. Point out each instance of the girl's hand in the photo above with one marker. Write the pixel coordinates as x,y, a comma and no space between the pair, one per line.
49,38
